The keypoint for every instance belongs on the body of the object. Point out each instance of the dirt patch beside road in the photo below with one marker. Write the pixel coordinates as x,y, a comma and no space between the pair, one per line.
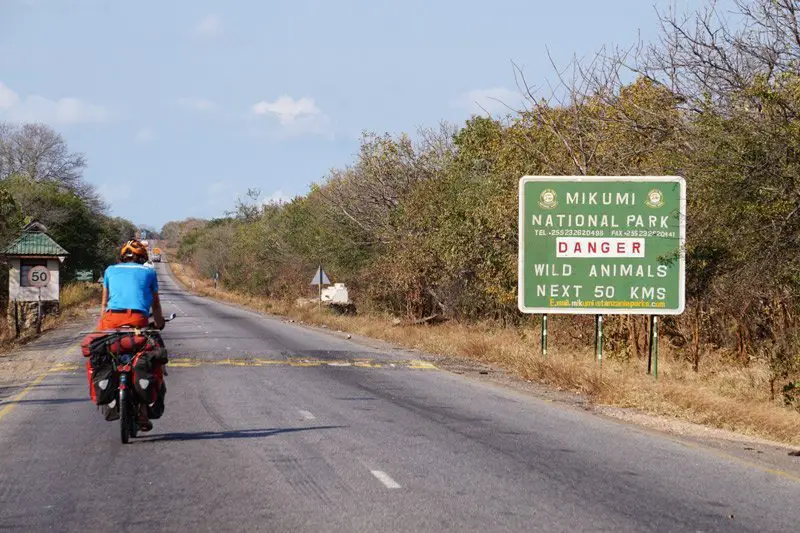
25,363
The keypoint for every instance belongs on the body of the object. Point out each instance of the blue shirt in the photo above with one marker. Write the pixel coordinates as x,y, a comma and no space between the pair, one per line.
130,286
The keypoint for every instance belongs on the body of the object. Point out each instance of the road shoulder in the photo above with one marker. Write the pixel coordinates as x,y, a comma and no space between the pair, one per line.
22,365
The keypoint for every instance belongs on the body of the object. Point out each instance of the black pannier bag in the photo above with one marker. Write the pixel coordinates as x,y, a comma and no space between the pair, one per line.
157,409
148,380
105,383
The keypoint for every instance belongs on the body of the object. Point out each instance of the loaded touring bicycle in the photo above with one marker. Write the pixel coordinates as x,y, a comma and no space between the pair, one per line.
125,369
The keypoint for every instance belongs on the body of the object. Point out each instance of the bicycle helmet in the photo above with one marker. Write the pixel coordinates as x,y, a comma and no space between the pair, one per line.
134,249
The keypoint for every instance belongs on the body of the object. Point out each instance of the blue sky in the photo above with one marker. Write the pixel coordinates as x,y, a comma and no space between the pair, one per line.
182,105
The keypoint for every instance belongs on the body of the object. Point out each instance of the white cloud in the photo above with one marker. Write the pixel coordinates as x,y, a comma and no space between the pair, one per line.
495,101
287,109
145,135
278,197
197,104
208,26
35,108
295,116
8,98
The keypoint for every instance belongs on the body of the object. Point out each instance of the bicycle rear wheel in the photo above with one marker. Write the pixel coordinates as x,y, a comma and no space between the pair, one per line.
126,416
134,416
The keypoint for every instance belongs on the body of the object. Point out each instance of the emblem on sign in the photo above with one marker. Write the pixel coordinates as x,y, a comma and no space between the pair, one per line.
655,198
547,200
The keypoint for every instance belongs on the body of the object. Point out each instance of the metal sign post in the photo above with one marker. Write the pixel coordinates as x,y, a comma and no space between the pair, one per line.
598,339
39,313
654,344
16,320
544,336
649,331
320,278
39,276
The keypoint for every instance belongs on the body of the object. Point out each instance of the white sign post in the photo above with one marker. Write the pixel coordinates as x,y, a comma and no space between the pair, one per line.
320,278
39,276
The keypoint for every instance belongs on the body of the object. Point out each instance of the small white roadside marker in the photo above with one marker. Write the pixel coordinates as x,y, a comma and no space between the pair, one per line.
384,478
306,415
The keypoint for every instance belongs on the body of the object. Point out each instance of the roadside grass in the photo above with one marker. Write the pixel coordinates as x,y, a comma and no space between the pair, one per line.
76,300
79,296
721,395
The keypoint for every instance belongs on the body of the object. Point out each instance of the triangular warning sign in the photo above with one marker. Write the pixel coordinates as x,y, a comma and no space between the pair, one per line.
316,280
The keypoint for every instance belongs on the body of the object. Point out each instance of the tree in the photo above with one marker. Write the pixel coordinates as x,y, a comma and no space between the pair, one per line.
10,217
114,231
10,223
38,153
174,232
92,240
728,59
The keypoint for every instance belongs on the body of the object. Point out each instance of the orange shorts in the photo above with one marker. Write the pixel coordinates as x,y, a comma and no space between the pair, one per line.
117,320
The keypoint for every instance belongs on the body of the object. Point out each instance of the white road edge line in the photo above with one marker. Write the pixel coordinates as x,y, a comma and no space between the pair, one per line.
307,415
384,478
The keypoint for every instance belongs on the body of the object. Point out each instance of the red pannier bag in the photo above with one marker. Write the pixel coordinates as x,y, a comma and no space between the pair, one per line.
148,379
99,366
127,343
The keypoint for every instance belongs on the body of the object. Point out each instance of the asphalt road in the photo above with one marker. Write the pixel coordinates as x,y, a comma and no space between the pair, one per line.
272,427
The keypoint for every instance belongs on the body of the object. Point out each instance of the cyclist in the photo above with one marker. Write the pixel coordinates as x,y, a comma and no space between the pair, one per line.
130,289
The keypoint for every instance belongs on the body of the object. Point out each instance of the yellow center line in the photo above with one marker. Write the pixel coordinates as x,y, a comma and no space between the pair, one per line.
13,402
188,362
421,365
66,367
741,460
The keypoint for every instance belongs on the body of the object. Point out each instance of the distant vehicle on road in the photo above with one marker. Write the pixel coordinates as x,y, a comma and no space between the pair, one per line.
156,255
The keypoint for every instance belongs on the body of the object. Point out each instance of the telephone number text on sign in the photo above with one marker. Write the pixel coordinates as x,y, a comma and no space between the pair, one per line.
587,247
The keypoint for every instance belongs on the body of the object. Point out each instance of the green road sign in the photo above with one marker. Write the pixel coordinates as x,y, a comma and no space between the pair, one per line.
83,275
602,244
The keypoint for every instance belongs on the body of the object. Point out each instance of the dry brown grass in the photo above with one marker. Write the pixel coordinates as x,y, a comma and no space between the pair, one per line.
720,396
75,296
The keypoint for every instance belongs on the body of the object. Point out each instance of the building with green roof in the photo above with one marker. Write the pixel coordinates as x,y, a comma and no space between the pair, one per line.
34,242
34,247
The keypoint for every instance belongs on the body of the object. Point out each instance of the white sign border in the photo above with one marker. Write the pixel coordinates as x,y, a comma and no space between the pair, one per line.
597,310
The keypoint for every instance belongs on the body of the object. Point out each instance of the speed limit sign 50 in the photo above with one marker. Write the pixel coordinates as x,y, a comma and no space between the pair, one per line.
38,276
